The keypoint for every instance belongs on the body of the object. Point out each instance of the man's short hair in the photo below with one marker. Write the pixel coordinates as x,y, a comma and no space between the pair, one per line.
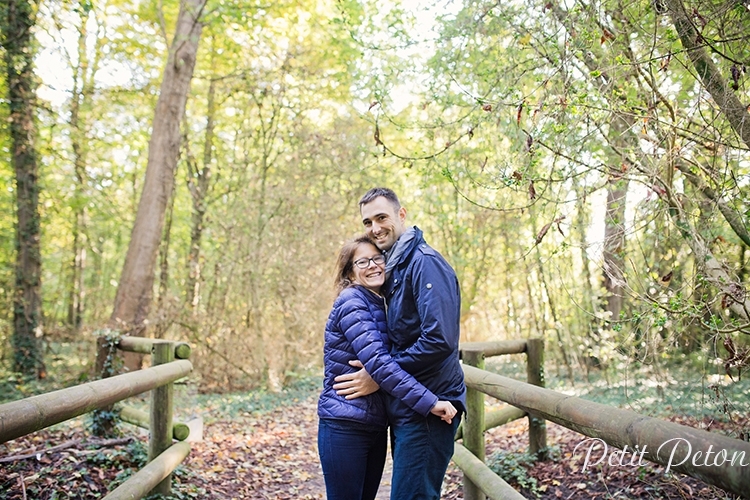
386,193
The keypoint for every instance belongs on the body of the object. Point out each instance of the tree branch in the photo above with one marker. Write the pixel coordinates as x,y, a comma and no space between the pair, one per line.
710,76
731,216
67,444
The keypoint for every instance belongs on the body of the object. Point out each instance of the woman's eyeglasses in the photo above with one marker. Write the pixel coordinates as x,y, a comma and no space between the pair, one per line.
378,260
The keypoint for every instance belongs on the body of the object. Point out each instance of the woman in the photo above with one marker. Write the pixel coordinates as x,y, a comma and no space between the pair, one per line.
352,432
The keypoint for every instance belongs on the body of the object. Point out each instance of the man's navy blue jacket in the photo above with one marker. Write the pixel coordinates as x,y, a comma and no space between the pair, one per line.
424,311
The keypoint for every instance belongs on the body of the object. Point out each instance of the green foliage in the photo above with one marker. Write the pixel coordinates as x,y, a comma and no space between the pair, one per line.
107,340
14,386
127,461
67,365
513,468
27,355
133,458
103,422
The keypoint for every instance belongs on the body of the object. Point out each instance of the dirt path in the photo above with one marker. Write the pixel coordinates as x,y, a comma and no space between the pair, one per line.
273,456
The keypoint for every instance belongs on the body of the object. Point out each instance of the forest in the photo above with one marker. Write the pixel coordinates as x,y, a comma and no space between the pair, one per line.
189,170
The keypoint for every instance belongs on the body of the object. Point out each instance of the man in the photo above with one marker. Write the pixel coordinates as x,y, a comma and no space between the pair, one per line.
423,312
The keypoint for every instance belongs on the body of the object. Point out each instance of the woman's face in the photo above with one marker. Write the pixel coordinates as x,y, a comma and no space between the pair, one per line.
372,275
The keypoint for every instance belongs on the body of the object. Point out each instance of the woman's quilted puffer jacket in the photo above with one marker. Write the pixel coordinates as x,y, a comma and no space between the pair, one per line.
356,329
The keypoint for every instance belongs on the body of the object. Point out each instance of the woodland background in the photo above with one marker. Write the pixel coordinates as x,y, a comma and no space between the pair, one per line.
584,165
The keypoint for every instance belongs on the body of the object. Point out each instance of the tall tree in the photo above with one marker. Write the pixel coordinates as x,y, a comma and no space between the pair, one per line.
84,67
16,24
134,291
135,287
198,181
736,114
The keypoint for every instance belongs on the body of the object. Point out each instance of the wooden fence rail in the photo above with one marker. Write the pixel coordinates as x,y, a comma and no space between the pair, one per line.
476,422
678,448
482,477
152,475
28,415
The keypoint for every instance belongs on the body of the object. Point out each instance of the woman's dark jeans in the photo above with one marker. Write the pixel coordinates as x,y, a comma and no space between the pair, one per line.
353,457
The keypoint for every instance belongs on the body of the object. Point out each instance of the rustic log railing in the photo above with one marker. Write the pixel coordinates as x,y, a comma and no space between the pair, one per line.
679,448
471,458
28,415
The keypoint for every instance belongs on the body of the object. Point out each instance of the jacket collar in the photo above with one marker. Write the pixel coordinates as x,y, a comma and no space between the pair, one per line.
403,248
368,292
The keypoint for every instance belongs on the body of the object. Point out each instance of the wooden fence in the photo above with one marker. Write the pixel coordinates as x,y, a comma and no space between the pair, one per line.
686,450
38,412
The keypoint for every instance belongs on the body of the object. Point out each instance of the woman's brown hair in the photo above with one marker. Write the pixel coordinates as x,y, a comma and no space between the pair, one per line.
345,264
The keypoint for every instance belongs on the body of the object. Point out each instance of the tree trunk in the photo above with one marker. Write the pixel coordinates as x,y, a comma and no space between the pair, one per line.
734,295
198,184
582,222
135,288
732,216
617,185
83,90
162,322
694,335
614,221
556,324
76,291
717,274
733,109
17,31
588,323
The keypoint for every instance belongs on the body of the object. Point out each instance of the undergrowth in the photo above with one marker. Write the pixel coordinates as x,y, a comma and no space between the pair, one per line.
68,364
231,406
513,468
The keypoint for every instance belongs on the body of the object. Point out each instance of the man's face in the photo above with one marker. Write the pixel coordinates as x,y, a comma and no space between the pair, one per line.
383,223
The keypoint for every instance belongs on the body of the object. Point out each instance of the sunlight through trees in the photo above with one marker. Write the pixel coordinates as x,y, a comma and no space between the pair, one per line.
583,165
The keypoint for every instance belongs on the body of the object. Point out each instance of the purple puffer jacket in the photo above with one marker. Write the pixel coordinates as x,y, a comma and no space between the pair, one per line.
356,329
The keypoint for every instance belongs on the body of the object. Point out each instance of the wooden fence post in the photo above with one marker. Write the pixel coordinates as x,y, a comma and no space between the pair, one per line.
473,426
161,414
535,375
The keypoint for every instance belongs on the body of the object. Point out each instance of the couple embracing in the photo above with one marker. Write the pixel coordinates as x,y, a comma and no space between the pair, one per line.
391,359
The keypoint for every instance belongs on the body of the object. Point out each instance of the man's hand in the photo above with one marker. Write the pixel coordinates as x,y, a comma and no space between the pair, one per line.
445,410
357,384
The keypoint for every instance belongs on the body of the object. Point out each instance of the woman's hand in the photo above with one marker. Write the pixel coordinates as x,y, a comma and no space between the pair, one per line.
445,410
